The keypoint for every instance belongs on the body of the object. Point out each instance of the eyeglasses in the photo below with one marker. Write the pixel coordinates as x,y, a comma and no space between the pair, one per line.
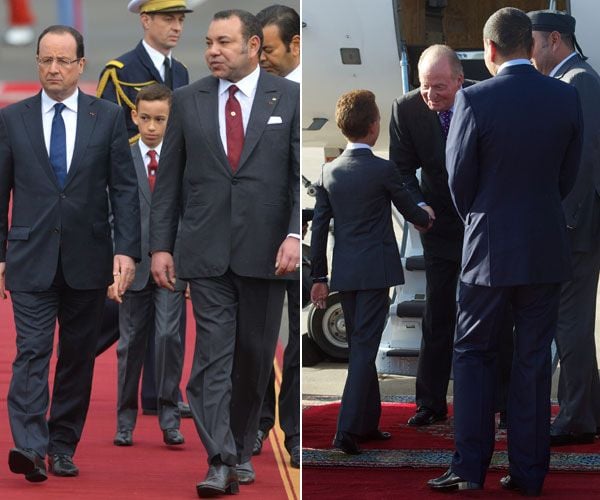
46,62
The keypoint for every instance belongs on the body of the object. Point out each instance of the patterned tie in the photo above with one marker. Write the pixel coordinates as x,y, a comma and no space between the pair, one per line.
58,145
168,73
445,118
152,168
234,128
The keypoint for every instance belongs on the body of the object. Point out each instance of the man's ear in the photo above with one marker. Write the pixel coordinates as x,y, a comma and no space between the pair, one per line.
134,116
295,46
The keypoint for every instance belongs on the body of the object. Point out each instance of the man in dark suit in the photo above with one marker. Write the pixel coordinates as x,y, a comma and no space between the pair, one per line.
147,310
280,55
418,129
578,420
63,154
512,156
357,190
237,172
150,62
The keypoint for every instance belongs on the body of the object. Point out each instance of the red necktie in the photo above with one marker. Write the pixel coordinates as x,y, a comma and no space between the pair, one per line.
234,128
152,168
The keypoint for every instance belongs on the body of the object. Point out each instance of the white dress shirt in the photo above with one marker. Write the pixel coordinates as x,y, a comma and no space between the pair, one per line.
245,96
69,115
513,62
144,150
158,59
358,145
295,75
555,69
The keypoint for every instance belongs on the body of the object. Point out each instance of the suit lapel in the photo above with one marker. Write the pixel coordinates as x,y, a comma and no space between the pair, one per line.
147,62
140,170
86,121
265,102
207,105
567,66
32,119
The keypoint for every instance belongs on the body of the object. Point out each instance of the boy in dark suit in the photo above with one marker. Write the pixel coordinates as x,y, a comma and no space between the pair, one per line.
147,308
356,190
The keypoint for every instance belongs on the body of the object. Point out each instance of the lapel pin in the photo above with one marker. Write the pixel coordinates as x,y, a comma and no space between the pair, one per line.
92,113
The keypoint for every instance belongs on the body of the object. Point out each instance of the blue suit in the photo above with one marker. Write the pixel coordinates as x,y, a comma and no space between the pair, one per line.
512,156
356,191
122,78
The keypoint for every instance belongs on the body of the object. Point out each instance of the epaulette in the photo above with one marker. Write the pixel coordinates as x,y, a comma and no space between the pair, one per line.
134,139
110,73
115,63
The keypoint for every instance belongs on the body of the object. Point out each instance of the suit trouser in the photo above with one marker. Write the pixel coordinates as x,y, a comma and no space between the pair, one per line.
78,313
481,309
237,326
289,393
578,384
150,310
365,312
435,355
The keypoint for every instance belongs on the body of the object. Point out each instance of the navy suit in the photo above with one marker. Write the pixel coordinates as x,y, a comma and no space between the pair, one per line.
123,77
512,155
59,260
357,190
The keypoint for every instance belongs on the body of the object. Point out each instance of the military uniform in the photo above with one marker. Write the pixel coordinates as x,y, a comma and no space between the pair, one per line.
122,78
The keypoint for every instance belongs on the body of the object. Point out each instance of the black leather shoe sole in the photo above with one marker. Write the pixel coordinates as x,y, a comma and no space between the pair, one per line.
20,462
209,491
450,481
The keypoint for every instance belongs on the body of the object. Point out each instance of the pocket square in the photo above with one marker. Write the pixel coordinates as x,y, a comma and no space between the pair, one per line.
274,120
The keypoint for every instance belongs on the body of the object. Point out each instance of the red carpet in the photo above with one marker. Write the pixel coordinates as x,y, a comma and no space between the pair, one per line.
400,467
149,469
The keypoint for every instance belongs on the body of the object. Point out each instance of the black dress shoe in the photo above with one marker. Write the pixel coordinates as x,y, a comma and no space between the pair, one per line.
28,462
123,438
508,483
62,465
173,437
375,435
258,442
220,479
345,442
567,439
245,473
450,481
295,457
425,416
184,410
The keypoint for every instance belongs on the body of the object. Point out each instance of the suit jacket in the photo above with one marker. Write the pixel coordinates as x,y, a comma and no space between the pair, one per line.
580,205
70,222
235,221
356,190
142,270
134,70
417,141
512,156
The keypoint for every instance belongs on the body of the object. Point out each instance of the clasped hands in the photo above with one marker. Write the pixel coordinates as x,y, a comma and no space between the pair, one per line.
429,210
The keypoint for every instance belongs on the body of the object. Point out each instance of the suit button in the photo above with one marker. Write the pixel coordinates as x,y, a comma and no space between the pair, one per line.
56,230
234,182
63,196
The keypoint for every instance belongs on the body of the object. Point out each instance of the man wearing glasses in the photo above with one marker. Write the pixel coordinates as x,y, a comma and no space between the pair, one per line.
63,155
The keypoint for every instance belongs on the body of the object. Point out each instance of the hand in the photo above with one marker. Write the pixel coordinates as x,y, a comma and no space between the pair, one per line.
2,275
429,210
431,213
163,270
188,294
318,295
288,256
113,292
123,272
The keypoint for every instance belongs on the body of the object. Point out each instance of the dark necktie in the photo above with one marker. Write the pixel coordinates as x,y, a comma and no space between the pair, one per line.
234,128
445,118
168,73
152,168
58,145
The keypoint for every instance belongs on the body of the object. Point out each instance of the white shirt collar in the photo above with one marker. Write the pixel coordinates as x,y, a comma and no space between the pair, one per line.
555,69
295,75
70,102
513,62
247,85
144,149
158,58
357,145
